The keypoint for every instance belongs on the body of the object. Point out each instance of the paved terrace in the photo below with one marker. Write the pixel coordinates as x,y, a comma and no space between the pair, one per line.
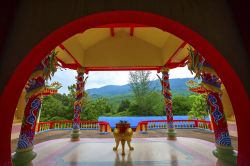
148,152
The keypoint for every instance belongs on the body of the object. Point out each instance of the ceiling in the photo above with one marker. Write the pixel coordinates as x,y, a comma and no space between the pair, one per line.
122,48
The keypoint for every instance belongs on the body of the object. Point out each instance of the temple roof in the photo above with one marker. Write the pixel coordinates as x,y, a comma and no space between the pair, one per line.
122,48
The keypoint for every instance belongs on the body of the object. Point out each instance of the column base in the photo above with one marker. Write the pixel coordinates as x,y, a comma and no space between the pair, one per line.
171,134
23,158
226,154
75,135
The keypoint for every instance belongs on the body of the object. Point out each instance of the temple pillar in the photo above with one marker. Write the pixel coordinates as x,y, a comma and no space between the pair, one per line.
224,150
211,82
171,133
39,115
24,152
75,135
34,87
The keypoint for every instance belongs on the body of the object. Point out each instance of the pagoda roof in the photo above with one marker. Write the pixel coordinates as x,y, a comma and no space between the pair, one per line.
122,48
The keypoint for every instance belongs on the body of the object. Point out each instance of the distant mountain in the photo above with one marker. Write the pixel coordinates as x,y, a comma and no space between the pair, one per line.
177,86
109,90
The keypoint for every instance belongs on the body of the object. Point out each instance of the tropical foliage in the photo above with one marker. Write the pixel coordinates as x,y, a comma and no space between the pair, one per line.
199,107
144,101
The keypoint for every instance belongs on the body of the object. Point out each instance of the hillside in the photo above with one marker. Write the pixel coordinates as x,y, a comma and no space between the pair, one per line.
177,85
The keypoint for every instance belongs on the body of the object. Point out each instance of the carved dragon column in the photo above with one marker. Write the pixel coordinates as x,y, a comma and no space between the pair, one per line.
168,103
34,87
212,83
75,135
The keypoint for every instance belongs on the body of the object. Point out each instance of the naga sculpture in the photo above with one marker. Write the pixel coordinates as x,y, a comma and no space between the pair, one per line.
123,133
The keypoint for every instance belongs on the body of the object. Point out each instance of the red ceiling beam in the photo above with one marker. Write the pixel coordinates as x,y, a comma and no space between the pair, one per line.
122,68
69,66
178,64
122,25
157,68
175,53
68,52
112,31
131,33
75,66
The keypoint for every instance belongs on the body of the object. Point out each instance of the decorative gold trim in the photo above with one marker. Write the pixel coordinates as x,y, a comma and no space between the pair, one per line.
209,70
25,149
224,147
164,70
81,70
35,92
36,74
211,88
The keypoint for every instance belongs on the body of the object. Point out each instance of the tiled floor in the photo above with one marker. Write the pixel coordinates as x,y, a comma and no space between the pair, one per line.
148,151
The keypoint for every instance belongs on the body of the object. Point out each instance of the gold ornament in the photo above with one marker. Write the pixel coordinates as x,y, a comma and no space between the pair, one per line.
123,136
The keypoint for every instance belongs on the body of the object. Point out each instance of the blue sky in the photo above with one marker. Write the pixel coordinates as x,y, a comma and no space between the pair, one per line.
101,78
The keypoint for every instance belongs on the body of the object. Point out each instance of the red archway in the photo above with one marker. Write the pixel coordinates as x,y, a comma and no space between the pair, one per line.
235,88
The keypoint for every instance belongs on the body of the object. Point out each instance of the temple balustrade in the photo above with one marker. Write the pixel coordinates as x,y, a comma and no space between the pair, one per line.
143,126
102,126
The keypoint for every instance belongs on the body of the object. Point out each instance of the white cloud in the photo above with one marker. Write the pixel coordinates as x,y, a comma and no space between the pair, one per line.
180,72
101,78
66,78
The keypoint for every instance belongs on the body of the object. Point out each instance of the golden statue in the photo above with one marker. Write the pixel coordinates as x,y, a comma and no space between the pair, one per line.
123,133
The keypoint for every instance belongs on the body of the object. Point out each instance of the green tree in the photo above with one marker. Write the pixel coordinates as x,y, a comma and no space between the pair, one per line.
199,107
72,91
154,104
139,83
59,106
181,105
124,105
51,108
92,109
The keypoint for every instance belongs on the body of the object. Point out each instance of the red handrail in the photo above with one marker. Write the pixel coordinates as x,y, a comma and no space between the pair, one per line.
104,126
196,123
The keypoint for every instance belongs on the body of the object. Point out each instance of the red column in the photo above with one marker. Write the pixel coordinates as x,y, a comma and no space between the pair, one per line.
34,88
222,137
212,83
24,152
75,135
168,103
27,133
219,122
224,149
